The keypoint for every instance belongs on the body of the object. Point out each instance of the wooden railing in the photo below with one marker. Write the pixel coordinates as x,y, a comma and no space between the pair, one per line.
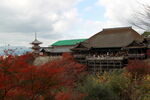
136,55
105,58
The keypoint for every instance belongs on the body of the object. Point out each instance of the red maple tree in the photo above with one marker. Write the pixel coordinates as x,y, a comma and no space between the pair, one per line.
138,68
20,80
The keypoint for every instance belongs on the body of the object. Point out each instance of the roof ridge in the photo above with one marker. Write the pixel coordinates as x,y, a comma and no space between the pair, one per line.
72,39
129,27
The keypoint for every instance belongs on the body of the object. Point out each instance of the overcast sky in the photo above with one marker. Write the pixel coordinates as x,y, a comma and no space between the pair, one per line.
61,19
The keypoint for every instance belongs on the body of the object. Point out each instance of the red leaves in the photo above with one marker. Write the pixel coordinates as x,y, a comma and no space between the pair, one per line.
138,68
69,95
18,78
63,96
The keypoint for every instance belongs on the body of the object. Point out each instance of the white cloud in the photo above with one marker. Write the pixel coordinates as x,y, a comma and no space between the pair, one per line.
56,19
49,18
32,15
52,20
118,12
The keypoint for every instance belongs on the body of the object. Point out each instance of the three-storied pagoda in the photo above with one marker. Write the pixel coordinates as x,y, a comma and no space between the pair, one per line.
35,46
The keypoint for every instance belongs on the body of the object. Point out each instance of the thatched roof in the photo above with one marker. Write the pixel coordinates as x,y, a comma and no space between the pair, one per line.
113,37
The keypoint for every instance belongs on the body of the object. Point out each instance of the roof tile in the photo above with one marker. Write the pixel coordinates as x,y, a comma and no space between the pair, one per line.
68,42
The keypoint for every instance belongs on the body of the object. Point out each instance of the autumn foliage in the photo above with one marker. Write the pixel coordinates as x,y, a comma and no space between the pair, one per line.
65,79
20,80
138,68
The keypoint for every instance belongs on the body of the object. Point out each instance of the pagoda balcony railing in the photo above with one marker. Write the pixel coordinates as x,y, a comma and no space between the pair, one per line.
55,57
105,58
79,56
36,47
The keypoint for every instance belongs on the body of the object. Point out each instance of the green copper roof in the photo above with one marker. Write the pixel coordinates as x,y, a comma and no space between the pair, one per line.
68,42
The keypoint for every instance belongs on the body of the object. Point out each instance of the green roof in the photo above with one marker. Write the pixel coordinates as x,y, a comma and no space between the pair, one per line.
68,42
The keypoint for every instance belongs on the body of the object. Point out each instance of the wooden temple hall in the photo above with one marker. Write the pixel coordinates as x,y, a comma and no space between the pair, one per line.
107,50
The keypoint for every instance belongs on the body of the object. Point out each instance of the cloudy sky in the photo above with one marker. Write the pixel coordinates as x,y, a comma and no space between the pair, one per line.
61,19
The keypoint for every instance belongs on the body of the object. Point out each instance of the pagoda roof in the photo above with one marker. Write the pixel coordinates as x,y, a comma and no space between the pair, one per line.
36,42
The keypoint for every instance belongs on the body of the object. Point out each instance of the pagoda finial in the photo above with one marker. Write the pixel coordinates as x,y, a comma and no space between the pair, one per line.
35,36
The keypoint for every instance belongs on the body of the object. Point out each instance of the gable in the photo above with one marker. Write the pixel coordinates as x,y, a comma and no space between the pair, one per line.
115,37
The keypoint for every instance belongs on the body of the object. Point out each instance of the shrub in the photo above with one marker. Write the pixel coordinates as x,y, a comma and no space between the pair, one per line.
94,90
125,87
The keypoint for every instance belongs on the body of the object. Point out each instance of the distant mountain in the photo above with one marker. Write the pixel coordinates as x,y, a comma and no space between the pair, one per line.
15,50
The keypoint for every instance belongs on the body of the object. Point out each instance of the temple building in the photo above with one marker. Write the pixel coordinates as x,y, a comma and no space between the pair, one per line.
60,47
107,50
111,49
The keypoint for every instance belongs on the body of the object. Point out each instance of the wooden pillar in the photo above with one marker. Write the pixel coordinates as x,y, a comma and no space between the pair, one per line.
107,64
99,66
113,64
94,66
141,57
120,64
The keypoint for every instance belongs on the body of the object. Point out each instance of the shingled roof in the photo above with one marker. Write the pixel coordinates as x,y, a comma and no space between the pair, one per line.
113,37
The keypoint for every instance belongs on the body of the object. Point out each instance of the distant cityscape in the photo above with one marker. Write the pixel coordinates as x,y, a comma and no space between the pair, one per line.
14,50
